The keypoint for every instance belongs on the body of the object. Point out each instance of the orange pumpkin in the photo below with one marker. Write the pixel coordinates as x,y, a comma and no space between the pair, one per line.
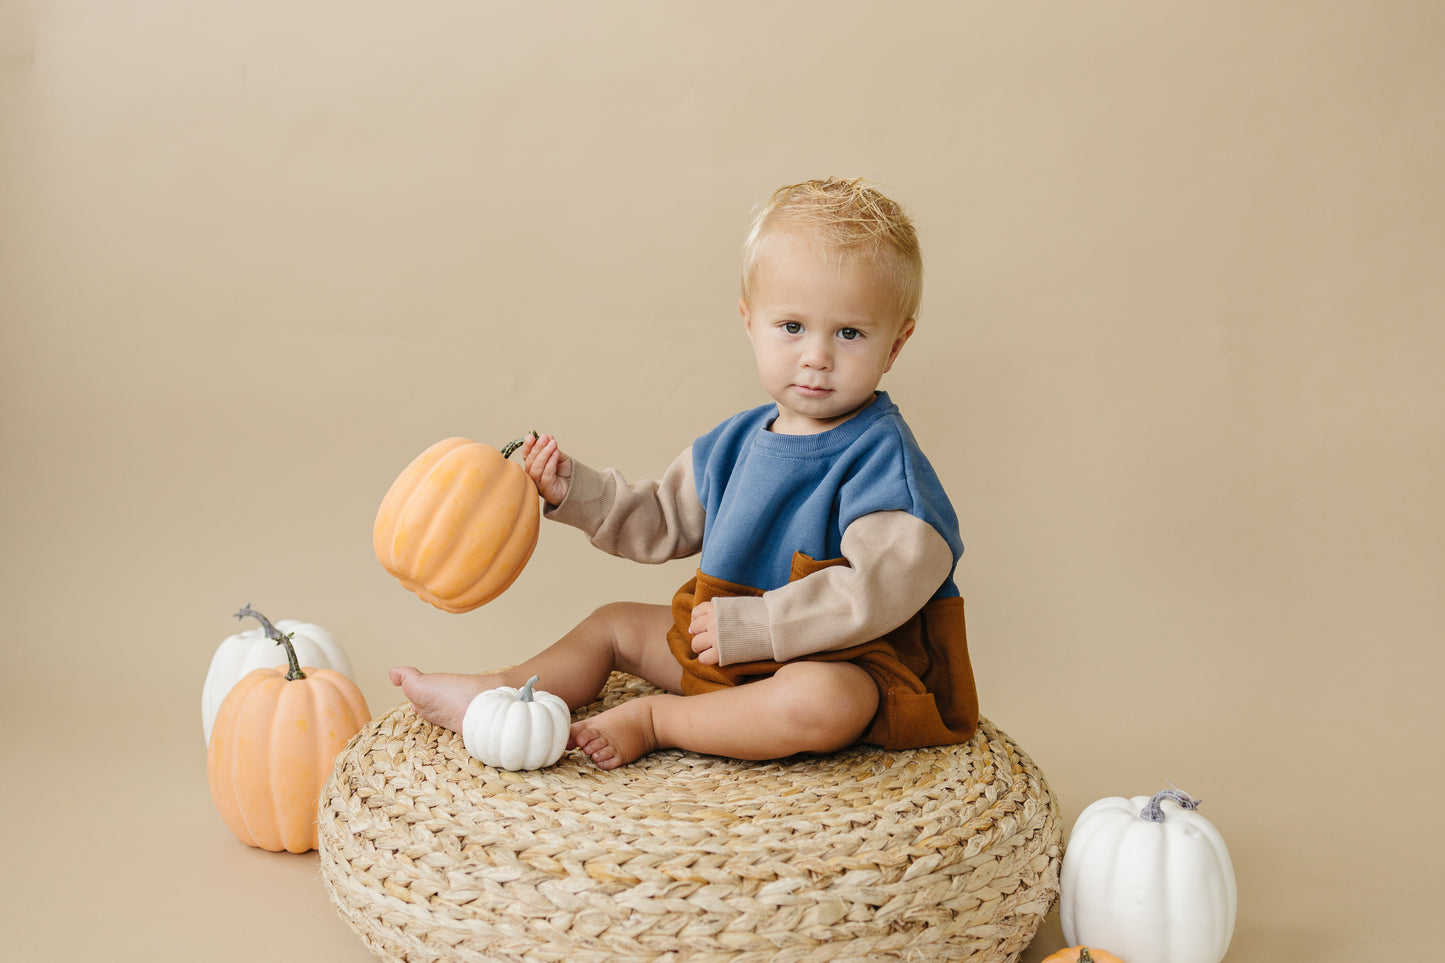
458,525
1081,954
272,747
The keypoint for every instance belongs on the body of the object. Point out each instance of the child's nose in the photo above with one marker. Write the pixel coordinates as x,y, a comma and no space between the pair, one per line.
817,355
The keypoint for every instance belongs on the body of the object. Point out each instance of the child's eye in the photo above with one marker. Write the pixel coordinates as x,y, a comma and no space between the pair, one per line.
850,334
792,327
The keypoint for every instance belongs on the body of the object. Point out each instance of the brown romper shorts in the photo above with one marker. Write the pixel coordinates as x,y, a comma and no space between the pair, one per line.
926,694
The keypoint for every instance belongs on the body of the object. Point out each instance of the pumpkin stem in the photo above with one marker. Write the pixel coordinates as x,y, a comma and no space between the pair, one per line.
525,693
1154,813
1085,956
516,443
293,671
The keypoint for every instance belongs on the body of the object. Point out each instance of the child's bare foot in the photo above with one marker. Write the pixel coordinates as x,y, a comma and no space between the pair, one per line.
618,736
440,698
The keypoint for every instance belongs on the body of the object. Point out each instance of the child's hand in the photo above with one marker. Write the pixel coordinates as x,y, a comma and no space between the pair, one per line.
704,633
549,469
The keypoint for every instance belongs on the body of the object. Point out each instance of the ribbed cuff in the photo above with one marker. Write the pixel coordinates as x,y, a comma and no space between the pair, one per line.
743,631
586,502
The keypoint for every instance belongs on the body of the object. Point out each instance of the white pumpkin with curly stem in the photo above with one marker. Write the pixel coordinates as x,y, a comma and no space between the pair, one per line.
244,652
1149,878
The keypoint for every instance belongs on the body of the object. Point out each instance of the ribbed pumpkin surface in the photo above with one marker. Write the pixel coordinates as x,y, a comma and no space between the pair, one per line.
458,525
271,751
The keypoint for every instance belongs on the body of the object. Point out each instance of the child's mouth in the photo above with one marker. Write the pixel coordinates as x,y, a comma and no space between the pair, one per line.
811,392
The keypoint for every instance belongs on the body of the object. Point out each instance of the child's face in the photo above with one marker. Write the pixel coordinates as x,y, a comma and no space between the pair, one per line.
823,332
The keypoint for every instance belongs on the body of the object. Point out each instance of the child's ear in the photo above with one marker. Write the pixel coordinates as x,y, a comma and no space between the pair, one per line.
747,318
905,331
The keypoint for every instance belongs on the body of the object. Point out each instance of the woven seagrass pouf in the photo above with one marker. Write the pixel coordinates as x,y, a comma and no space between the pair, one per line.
929,854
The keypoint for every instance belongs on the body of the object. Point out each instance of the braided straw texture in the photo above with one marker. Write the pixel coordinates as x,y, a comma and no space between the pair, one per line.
930,854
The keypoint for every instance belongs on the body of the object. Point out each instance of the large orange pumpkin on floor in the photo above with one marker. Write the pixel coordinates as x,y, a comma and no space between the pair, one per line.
273,744
459,524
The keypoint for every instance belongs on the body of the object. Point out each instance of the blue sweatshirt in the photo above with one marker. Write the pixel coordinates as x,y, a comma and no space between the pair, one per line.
769,495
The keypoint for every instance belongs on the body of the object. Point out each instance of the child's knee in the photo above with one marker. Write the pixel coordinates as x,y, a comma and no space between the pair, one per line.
625,618
828,704
636,634
611,613
614,624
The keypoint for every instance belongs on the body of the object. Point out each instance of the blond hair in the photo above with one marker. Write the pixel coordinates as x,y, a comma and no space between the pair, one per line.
842,218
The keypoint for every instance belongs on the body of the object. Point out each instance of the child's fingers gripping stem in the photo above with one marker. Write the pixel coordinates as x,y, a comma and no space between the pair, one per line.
549,469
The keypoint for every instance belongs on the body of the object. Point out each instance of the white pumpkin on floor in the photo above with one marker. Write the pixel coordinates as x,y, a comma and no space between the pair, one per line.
244,652
1149,878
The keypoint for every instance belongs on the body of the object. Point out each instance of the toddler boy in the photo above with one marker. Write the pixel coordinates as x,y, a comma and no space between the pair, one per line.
824,610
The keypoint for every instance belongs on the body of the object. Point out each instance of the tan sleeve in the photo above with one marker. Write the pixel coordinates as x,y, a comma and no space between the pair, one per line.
650,521
896,561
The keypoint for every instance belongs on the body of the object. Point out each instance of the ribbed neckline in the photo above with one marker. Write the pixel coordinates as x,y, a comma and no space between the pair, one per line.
808,446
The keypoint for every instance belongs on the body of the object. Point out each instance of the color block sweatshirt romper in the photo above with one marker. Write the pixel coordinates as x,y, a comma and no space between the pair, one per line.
838,546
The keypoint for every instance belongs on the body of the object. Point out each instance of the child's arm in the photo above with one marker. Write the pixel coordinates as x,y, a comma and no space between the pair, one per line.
896,562
649,521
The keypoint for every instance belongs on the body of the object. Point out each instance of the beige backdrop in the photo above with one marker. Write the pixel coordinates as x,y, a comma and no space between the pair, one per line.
1179,365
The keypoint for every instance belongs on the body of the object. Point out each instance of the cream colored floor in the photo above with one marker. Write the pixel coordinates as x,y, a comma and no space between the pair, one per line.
115,853
135,865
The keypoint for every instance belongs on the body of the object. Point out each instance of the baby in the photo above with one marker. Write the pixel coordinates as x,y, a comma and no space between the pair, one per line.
824,611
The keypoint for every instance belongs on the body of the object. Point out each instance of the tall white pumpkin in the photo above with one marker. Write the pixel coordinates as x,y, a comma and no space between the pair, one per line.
240,654
1150,880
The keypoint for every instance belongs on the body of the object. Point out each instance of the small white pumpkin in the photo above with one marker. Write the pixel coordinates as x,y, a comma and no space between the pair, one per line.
253,649
1150,878
516,729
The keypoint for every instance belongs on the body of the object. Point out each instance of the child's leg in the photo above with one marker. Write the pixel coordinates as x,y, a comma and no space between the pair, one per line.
804,707
629,636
